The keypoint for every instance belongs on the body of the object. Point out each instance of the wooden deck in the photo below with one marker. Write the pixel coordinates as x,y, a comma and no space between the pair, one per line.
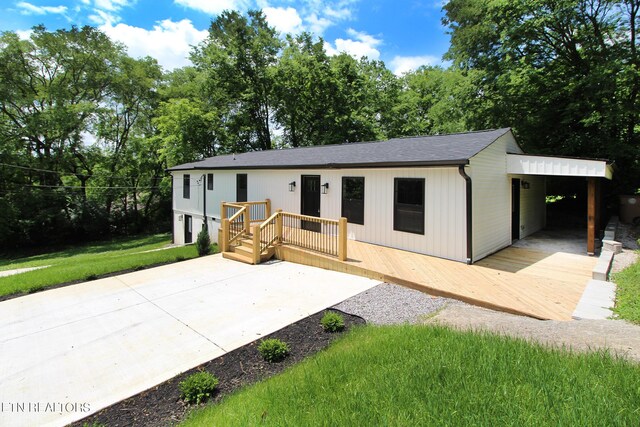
516,280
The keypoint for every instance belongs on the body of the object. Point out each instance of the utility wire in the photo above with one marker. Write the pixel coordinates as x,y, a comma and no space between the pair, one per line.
70,173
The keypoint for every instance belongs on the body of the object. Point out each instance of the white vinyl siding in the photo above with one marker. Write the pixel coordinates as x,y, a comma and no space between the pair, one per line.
445,210
532,205
491,197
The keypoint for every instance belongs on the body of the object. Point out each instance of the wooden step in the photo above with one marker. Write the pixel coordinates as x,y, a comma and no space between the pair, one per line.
247,243
237,257
244,250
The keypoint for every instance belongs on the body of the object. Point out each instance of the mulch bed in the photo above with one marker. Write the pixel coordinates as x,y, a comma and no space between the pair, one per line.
161,405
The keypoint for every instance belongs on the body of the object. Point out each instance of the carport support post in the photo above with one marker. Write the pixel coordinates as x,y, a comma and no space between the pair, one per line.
591,216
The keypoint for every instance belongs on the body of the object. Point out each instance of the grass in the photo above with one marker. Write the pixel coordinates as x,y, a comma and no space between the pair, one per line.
419,375
90,261
628,293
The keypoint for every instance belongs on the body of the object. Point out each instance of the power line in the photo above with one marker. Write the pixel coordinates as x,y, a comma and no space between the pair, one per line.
69,173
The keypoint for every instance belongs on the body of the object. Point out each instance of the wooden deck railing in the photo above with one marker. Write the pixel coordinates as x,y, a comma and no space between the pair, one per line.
326,236
237,217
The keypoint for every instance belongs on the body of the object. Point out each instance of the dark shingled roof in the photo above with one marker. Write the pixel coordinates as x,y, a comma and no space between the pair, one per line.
453,149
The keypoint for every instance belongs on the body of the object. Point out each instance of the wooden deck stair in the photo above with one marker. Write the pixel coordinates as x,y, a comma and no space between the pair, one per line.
244,252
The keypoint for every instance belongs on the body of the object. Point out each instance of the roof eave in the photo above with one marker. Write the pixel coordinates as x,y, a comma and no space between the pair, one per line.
380,165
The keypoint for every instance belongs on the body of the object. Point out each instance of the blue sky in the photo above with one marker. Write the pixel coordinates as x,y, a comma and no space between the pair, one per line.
403,33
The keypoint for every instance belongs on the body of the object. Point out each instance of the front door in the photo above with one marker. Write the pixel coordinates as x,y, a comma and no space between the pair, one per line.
188,237
241,187
515,209
310,201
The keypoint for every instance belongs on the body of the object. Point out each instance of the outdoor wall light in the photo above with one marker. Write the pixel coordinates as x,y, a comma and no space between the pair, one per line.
292,186
325,187
526,185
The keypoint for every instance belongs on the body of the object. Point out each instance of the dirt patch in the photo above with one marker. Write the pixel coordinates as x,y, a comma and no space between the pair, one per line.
617,336
161,405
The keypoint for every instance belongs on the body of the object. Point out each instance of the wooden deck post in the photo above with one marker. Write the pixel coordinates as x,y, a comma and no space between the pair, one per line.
256,244
591,216
279,226
224,243
267,208
342,239
223,211
247,219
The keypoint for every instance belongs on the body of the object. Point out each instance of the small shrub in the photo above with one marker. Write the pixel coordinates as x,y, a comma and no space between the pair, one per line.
332,322
198,387
203,242
273,350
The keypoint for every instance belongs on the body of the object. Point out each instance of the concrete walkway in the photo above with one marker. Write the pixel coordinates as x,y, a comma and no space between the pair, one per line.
71,351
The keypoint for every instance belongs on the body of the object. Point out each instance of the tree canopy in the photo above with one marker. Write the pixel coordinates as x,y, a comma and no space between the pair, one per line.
87,132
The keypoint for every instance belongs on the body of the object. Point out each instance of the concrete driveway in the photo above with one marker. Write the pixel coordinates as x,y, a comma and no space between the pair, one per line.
71,351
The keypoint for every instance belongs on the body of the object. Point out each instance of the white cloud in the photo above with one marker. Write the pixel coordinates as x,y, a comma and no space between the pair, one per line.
404,64
213,7
284,20
111,5
101,17
169,42
30,9
360,44
317,25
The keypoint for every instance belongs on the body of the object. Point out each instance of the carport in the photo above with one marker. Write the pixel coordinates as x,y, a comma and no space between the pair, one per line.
538,167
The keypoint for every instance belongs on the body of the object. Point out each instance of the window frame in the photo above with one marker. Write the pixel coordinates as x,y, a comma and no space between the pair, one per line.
408,208
209,181
347,205
186,186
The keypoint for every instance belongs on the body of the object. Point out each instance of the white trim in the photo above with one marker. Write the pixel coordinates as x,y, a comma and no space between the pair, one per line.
557,166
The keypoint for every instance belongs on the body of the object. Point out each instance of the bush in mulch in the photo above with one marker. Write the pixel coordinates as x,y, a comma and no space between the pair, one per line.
162,404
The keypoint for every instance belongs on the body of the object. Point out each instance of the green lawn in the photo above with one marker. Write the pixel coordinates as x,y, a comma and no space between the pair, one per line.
628,293
87,261
421,376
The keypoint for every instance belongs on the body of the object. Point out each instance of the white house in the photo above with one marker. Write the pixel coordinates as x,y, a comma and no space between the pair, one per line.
459,196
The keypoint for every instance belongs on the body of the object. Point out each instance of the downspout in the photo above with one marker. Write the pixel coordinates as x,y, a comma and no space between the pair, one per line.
204,201
467,178
173,215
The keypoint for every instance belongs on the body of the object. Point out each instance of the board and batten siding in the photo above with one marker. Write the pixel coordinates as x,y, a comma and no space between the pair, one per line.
491,196
533,213
445,210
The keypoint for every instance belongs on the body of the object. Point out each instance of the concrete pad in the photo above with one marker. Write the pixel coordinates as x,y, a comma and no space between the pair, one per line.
72,351
597,301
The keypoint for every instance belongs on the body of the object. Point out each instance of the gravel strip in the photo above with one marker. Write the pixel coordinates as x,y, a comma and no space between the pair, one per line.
388,304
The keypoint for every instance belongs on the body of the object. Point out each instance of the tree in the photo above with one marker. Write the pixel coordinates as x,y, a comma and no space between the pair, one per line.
50,87
237,59
303,87
563,73
433,100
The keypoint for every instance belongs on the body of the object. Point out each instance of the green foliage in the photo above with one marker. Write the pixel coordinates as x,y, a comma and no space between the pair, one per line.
422,376
332,322
273,350
628,293
198,387
563,74
203,242
81,262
